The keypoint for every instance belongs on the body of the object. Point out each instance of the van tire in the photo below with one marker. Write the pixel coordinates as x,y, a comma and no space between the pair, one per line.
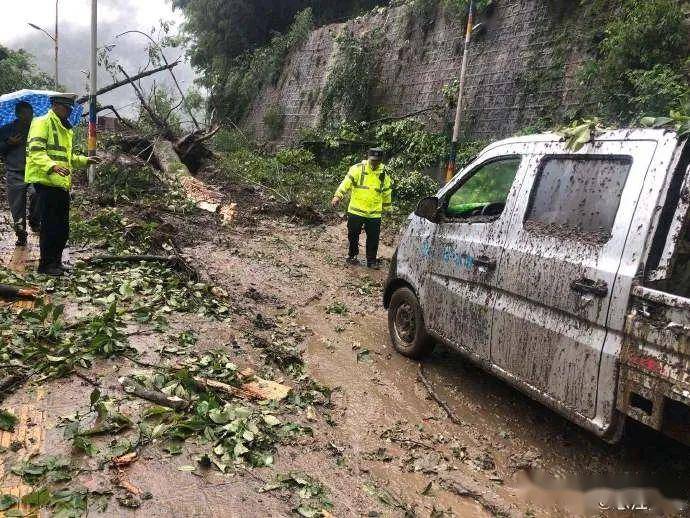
406,325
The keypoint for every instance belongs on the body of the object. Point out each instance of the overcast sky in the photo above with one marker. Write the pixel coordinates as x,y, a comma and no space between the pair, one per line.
114,17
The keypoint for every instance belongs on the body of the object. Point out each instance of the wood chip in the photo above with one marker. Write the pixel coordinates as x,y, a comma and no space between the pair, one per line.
125,460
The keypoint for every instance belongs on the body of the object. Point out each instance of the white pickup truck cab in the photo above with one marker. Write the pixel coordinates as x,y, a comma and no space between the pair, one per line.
564,273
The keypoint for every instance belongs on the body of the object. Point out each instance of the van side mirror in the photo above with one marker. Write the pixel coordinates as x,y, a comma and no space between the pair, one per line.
428,209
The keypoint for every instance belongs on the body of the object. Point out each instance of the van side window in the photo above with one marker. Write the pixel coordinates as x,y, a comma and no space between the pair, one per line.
484,194
578,197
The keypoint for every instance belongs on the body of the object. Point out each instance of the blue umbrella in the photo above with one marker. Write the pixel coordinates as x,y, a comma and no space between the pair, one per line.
39,101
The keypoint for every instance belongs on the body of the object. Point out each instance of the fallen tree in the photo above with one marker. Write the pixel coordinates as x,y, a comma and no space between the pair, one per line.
118,84
176,156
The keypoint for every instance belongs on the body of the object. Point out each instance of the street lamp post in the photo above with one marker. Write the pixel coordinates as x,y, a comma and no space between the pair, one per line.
53,37
93,87
56,43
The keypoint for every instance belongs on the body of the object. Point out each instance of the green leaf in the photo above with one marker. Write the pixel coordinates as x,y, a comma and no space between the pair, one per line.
7,501
271,420
271,486
662,121
186,468
81,443
39,498
240,449
8,421
95,396
306,511
173,448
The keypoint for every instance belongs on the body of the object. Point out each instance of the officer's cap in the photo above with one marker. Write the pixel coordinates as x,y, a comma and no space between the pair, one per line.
65,99
376,153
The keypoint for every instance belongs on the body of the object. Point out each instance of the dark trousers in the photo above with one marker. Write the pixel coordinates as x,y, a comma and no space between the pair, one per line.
53,205
373,229
17,192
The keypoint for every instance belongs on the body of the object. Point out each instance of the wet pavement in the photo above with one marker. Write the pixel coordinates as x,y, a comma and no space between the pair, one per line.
383,431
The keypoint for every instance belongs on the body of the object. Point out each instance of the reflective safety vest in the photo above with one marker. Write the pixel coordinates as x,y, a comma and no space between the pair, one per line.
371,190
49,144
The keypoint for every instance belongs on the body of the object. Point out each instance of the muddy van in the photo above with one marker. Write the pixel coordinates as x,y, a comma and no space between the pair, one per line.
565,273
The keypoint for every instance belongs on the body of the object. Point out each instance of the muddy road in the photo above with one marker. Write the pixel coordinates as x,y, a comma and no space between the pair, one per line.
504,433
381,447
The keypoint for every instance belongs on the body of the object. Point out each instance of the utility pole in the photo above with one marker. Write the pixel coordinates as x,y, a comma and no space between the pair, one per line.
93,88
450,169
56,45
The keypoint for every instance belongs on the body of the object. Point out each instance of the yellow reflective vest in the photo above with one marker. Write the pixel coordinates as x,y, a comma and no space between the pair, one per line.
371,190
49,144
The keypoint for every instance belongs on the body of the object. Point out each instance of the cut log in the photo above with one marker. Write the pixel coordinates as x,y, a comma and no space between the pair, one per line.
169,160
256,389
176,173
252,387
8,292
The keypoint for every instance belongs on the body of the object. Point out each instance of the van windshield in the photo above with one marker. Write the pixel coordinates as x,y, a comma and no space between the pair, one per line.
486,190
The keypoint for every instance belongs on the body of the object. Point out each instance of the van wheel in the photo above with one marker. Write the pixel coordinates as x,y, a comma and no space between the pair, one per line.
406,325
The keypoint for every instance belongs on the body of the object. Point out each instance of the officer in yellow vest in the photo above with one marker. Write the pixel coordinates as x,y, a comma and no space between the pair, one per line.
50,161
370,185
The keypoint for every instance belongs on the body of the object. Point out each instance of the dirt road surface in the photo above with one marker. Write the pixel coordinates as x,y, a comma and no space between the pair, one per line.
382,446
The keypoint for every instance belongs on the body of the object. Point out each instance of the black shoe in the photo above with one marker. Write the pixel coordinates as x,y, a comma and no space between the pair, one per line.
64,267
35,228
352,261
374,264
52,270
21,239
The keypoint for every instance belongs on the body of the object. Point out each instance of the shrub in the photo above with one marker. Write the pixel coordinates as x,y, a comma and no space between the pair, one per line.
350,81
641,66
233,94
658,90
274,121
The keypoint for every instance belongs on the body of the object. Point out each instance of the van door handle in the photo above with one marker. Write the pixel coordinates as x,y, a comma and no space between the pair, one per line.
485,262
586,286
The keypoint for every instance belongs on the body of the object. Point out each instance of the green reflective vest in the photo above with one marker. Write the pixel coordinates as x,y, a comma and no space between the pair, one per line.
371,190
49,144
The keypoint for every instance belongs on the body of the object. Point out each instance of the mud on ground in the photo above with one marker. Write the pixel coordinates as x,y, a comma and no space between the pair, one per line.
379,446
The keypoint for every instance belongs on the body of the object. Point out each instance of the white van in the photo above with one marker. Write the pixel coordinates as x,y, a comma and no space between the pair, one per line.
564,273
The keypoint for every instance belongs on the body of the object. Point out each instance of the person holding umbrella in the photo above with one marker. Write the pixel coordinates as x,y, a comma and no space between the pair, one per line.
13,138
51,159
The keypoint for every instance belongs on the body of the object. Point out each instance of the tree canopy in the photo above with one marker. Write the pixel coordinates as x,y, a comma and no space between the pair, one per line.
18,70
225,29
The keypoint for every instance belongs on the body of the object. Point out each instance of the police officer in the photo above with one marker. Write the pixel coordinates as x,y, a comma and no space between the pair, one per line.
49,165
370,186
13,151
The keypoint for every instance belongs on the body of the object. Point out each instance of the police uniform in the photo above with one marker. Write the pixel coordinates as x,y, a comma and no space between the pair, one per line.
371,194
50,144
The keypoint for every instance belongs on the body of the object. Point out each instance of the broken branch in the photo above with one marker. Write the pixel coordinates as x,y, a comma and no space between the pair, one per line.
132,387
118,84
160,123
168,259
112,108
435,397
